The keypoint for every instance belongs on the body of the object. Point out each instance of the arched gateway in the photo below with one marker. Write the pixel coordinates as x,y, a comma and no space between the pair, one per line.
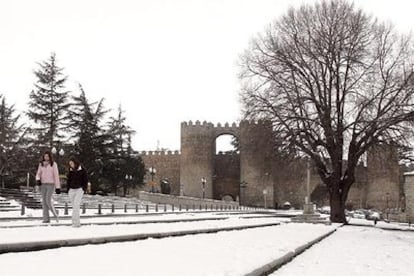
257,177
198,160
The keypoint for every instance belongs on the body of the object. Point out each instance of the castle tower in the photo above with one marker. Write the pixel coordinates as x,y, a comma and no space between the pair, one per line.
383,190
256,154
196,162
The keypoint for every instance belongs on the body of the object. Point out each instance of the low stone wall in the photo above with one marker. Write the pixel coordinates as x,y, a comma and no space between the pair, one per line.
183,200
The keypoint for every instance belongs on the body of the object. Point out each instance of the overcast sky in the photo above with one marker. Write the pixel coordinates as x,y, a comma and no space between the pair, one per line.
164,61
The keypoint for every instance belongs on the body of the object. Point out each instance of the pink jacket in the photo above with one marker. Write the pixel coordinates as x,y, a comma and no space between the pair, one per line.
48,174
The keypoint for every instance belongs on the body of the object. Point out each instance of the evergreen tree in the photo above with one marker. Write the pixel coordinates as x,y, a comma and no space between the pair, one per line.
85,123
49,102
119,135
122,168
11,134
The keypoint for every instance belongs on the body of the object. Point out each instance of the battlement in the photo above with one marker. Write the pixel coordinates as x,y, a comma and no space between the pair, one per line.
159,152
208,124
196,124
227,153
225,125
255,123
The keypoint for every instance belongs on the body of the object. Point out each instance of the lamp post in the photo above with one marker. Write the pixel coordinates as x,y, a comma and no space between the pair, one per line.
127,178
152,172
203,184
58,152
387,197
243,186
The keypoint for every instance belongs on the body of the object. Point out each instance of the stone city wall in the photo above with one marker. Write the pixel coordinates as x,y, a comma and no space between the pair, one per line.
409,195
183,200
167,165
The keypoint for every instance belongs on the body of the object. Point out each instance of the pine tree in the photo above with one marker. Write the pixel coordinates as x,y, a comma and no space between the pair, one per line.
122,168
49,102
120,134
85,124
11,134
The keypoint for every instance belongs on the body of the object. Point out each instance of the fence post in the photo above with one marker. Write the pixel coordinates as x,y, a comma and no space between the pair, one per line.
22,212
136,208
146,208
156,207
125,208
172,207
99,209
179,207
113,208
66,212
84,208
186,207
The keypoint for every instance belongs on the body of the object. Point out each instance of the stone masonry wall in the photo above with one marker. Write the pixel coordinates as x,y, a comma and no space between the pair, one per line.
167,165
256,151
383,179
226,179
409,196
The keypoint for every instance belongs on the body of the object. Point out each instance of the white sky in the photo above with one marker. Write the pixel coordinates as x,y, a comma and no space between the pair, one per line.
164,61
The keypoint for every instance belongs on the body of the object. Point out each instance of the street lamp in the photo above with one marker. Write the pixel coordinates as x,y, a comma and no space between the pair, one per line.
203,183
264,196
152,172
58,150
127,177
243,186
387,198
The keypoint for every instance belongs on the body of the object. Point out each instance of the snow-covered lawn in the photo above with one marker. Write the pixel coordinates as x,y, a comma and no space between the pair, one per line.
28,234
223,253
355,250
351,250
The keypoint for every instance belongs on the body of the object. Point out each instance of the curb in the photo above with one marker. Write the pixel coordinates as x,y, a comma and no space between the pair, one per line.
42,245
68,217
289,256
114,222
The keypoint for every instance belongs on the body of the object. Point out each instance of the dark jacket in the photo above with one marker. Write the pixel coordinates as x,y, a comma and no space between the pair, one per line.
77,179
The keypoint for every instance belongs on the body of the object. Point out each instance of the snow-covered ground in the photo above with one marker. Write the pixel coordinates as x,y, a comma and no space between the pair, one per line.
355,250
351,250
28,234
223,253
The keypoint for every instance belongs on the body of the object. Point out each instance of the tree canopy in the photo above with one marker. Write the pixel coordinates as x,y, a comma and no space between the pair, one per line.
335,82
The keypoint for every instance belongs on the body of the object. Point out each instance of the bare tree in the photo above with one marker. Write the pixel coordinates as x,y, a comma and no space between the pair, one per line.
335,82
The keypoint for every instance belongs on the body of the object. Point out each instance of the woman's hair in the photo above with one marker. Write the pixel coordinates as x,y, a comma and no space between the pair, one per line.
48,153
74,160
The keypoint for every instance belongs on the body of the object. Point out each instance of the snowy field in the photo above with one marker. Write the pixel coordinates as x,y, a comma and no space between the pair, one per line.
223,253
350,250
355,250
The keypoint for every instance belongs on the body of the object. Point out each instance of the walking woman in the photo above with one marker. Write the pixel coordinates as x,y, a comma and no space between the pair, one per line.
77,183
47,177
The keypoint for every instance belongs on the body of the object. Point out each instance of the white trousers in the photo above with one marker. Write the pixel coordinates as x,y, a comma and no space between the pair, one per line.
75,197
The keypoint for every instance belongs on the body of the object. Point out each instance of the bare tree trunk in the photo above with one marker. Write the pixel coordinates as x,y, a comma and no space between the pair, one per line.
337,206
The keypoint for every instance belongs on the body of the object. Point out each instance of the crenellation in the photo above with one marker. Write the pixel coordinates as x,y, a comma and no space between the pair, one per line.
257,167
